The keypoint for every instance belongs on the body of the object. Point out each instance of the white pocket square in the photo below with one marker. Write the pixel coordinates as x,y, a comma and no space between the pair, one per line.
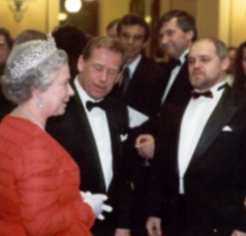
123,137
227,129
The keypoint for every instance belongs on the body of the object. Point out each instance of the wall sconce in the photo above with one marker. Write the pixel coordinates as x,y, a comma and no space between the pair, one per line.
73,6
18,7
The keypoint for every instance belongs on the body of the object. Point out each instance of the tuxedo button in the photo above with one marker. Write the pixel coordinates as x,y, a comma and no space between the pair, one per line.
215,230
132,185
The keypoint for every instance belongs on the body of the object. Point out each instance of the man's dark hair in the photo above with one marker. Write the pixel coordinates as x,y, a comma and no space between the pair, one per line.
112,23
103,42
131,19
72,40
185,21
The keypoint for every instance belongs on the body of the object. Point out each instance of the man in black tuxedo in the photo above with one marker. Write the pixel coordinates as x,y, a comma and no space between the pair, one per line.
141,89
92,131
199,169
141,84
177,31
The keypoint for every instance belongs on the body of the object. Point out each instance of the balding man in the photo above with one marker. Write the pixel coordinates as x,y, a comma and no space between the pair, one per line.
199,171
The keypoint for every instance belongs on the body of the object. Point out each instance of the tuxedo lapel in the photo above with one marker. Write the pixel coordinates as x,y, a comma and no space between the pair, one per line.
89,144
181,87
136,78
85,126
115,130
115,138
222,114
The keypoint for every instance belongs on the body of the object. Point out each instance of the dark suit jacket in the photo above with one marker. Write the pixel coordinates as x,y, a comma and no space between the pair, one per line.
178,95
72,130
145,87
215,184
181,88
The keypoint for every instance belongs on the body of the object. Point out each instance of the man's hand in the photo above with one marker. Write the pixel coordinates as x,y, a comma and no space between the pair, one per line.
145,145
122,232
96,202
153,226
238,233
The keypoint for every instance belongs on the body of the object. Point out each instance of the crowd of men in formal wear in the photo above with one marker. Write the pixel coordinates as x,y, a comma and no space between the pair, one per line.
166,142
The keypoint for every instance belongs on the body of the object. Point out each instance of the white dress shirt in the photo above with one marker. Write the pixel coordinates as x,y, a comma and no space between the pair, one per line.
173,75
194,119
99,125
133,65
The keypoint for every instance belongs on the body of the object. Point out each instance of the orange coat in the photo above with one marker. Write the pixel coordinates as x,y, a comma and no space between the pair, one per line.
39,185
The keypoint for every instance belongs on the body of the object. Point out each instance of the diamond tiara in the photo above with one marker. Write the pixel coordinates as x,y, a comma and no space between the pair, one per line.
29,55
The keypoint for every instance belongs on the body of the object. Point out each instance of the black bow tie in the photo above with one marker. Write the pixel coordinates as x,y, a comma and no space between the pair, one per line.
196,94
208,93
90,105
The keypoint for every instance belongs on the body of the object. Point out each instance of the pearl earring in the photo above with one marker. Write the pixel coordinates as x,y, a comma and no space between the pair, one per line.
40,103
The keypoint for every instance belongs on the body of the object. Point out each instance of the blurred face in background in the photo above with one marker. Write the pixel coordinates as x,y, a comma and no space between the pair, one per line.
4,50
133,39
173,39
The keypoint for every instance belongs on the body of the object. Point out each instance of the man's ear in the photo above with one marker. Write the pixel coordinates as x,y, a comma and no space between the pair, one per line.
145,44
80,63
190,35
225,63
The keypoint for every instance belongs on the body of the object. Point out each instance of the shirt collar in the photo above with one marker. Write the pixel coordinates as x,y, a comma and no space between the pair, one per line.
84,97
183,56
216,88
133,65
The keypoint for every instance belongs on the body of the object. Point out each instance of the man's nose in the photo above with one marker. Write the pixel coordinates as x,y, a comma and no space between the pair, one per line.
196,63
130,40
104,76
164,40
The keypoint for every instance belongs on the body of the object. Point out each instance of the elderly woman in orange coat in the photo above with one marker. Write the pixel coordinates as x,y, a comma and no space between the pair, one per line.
39,181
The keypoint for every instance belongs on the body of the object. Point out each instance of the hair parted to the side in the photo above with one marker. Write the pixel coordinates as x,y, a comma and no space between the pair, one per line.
132,19
103,42
185,21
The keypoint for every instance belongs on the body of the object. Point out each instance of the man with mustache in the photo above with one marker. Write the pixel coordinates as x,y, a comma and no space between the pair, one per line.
199,169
